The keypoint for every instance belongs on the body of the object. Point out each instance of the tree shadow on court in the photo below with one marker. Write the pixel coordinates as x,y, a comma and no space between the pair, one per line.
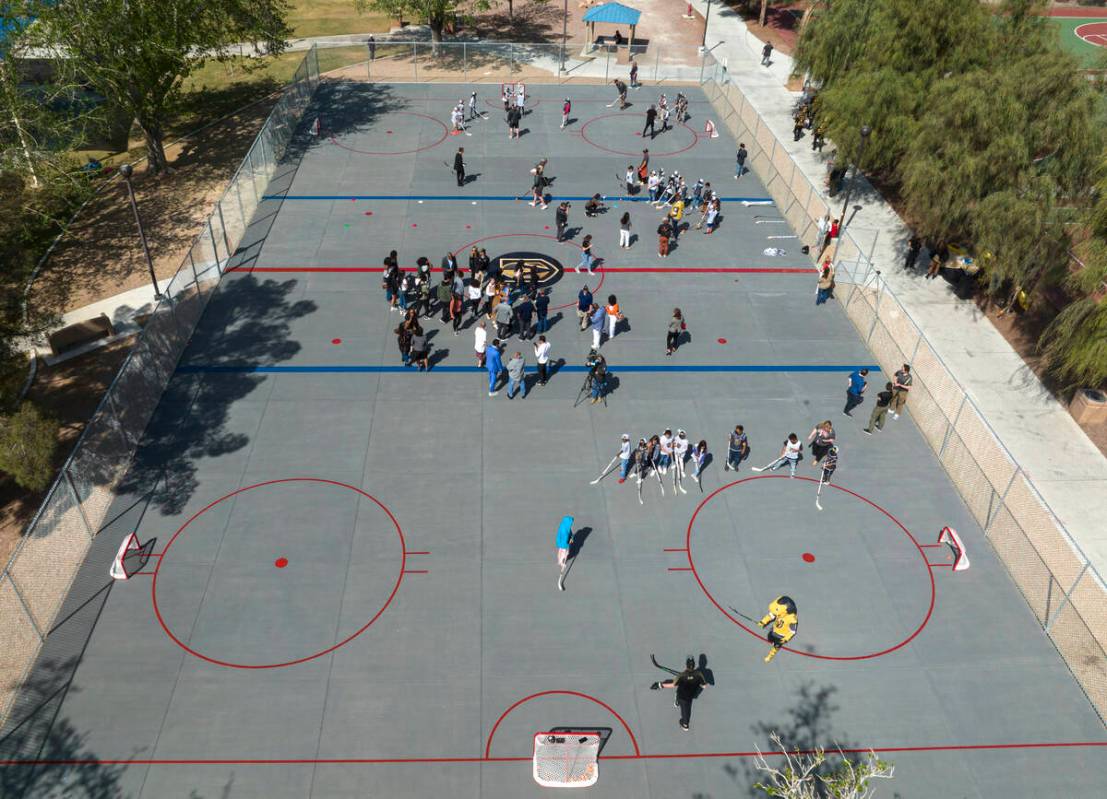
805,726
343,107
247,323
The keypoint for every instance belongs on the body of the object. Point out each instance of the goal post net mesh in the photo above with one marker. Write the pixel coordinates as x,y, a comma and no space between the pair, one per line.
566,759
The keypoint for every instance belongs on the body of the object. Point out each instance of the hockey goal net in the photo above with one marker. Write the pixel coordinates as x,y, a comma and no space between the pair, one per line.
566,759
960,557
510,92
130,558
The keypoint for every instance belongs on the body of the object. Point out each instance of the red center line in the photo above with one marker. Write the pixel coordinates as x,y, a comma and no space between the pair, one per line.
415,571
367,761
418,553
939,565
661,270
680,549
680,568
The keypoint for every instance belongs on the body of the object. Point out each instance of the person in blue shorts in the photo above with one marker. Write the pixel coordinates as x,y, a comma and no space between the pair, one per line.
564,541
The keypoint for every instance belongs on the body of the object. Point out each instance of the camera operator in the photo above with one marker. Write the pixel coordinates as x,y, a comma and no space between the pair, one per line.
597,375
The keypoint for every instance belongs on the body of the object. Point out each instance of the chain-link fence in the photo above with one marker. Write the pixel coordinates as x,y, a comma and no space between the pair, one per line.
40,572
1066,593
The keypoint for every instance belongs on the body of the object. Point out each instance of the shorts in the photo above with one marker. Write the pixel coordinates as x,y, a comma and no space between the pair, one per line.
562,556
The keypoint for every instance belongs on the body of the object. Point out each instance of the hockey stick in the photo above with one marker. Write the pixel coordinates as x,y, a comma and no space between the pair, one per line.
640,500
674,672
657,473
606,471
743,615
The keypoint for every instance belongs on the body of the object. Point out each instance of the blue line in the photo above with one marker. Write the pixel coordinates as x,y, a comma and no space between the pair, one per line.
189,369
765,201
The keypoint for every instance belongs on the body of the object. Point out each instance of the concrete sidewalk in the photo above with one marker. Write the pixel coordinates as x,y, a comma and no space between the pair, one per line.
1065,466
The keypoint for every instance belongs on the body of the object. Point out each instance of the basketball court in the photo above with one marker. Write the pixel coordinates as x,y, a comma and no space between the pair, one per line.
348,585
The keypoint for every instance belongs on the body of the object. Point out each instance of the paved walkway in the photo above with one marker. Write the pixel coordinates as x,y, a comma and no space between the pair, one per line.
1064,464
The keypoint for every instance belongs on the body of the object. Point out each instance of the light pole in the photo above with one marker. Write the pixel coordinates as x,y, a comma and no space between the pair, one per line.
706,19
865,132
564,33
127,171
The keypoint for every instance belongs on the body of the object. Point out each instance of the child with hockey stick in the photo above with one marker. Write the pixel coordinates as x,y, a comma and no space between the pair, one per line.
680,452
699,457
784,619
738,448
564,542
791,453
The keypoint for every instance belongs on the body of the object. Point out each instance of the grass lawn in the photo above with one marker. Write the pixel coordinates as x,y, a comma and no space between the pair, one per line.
333,17
1089,55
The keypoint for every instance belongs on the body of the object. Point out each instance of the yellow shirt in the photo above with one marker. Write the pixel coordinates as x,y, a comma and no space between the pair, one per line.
677,211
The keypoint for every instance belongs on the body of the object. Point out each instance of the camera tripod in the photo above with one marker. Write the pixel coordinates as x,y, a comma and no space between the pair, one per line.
586,389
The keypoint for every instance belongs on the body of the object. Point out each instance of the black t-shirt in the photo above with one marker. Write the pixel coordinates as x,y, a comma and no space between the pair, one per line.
883,398
689,684
650,115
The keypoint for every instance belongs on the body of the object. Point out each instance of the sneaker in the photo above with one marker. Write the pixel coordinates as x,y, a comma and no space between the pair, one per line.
895,415
595,400
847,413
726,467
578,272
493,393
684,726
622,480
696,477
675,703
867,431
771,655
560,585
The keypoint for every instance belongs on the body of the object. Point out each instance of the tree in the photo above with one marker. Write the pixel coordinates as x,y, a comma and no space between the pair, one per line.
436,13
136,53
804,776
27,444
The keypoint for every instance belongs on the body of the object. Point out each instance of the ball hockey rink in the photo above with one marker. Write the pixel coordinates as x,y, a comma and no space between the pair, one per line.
351,587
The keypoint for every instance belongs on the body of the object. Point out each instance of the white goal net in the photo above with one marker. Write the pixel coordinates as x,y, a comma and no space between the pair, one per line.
566,759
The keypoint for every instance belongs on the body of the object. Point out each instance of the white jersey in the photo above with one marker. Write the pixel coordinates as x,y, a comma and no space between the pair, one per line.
624,450
792,450
542,351
666,445
480,338
680,446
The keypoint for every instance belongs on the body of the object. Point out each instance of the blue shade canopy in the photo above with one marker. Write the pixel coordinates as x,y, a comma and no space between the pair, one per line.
615,13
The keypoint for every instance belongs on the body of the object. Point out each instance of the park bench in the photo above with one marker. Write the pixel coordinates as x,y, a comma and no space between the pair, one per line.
79,333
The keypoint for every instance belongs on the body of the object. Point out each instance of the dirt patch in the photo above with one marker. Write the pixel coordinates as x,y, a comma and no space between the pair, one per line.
101,255
69,392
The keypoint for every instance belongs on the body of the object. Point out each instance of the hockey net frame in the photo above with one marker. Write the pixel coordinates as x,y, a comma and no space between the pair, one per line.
131,557
510,89
567,759
950,537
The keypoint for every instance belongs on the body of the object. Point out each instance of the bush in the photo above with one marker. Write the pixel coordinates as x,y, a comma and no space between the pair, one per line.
28,441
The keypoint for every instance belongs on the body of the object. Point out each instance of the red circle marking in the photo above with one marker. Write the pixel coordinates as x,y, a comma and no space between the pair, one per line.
808,557
368,213
584,135
722,341
442,138
855,495
336,341
602,273
414,225
327,651
579,695
388,132
1094,33
280,563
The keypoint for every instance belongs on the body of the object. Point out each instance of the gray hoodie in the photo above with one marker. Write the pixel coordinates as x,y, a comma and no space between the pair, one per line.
516,366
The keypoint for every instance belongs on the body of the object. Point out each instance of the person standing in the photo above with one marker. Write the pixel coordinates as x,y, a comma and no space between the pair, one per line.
584,307
457,307
821,440
676,213
372,48
473,105
711,218
825,285
586,255
653,186
855,390
790,455
677,326
829,465
741,156
630,180
390,282
459,165
680,453
699,458
664,233
914,247
784,619
625,459
542,356
688,684
542,310
561,216
524,310
505,319
624,230
738,448
902,385
597,316
766,54
538,187
565,110
614,316
651,117
644,166
599,376
622,89
514,117
420,349
480,341
634,74
880,409
563,542
665,451
493,362
516,376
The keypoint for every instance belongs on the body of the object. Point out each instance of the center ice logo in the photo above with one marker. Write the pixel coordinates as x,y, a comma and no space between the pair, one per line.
541,270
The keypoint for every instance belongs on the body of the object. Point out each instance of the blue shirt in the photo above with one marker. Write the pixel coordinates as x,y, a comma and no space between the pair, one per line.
584,300
565,532
856,382
492,361
597,319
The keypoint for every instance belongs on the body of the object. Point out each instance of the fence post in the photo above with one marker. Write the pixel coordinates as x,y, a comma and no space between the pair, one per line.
223,224
26,608
214,249
606,64
876,307
915,352
465,60
415,60
952,424
77,501
1002,501
656,63
368,63
253,185
195,276
1064,600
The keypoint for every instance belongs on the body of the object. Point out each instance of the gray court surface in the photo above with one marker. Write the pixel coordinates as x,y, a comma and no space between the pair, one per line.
353,588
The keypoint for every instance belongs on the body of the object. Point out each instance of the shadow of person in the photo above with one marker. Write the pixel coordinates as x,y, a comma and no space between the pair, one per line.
577,544
708,674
